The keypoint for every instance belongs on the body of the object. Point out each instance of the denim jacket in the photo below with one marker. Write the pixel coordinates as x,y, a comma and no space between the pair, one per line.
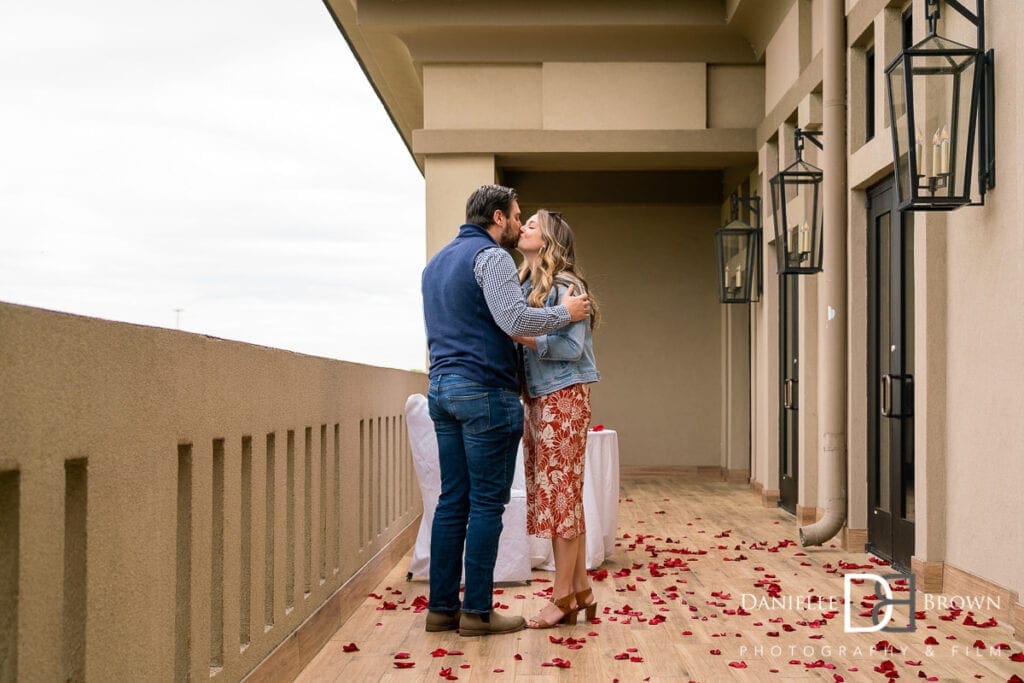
563,357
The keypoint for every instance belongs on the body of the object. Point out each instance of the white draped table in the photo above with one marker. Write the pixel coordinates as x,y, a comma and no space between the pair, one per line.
600,503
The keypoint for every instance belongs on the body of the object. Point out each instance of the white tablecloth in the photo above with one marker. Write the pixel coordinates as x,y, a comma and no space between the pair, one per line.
600,503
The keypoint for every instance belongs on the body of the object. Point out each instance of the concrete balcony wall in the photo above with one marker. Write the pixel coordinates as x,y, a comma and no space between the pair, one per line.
174,505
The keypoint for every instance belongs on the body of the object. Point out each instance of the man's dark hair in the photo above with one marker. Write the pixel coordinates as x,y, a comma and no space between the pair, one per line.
487,199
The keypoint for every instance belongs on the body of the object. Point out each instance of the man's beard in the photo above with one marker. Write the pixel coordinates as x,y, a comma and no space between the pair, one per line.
509,237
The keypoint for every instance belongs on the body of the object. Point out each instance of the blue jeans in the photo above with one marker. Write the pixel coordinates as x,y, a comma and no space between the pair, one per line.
478,430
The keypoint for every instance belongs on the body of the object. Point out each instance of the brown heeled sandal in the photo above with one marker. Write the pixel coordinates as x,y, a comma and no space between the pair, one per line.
564,605
585,602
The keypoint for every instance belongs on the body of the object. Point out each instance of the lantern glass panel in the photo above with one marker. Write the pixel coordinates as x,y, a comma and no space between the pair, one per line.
796,201
736,244
934,123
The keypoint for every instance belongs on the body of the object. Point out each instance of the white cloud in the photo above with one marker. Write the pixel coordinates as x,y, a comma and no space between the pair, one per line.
226,158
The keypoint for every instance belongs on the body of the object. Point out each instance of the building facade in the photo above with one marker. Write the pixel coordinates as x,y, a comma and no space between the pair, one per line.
639,120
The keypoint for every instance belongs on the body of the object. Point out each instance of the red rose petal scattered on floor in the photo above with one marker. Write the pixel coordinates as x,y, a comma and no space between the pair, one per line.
464,666
715,652
593,633
1017,657
518,657
439,652
622,655
636,659
402,655
979,644
1015,679
738,665
498,671
455,652
930,640
351,647
404,665
559,662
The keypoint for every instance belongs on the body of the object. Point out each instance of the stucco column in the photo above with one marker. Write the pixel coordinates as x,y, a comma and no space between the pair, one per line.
930,319
737,379
450,179
767,458
832,285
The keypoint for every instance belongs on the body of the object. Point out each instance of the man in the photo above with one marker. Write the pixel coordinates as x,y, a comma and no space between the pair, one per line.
473,305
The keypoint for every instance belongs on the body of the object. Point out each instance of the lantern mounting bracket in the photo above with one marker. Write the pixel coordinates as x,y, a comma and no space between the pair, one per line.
798,141
753,204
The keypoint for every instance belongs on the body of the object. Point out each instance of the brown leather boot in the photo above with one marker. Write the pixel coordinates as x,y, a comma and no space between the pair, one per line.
442,621
472,624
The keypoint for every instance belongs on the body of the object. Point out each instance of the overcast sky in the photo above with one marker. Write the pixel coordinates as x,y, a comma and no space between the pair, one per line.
222,157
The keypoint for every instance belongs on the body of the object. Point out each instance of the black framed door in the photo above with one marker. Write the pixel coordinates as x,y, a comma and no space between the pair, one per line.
789,415
891,489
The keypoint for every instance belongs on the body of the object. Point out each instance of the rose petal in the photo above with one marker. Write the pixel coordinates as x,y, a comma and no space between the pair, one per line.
351,647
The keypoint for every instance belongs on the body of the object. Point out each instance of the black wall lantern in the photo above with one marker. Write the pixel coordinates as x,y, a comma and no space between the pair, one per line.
738,246
942,114
796,205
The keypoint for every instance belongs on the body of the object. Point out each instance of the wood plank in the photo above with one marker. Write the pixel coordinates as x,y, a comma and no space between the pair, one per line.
668,519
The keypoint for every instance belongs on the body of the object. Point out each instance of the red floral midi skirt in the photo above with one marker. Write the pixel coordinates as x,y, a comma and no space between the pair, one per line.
554,445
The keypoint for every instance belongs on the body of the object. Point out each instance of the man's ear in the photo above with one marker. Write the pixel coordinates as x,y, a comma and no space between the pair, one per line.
498,214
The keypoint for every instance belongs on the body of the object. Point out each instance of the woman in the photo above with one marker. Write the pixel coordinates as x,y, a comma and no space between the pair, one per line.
558,369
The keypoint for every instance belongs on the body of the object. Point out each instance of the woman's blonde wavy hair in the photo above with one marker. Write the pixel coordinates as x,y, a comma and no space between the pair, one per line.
556,260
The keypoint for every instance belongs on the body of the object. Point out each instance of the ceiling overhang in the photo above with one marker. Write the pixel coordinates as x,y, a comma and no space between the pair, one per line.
393,40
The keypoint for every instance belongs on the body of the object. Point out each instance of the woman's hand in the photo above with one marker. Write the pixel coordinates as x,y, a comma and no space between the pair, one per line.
526,341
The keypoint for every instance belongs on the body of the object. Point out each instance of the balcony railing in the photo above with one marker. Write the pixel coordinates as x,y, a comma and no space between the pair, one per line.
174,505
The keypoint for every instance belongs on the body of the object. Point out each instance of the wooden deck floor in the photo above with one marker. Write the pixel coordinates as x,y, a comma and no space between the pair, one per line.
685,597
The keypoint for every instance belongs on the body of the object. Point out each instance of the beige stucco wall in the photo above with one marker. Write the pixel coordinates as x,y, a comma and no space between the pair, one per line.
985,327
487,96
604,96
782,58
734,96
658,345
128,399
450,179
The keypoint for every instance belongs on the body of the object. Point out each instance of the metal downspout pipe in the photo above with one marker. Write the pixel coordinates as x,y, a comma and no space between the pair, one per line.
832,356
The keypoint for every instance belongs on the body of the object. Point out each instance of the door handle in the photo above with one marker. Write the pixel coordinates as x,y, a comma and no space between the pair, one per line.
787,394
886,397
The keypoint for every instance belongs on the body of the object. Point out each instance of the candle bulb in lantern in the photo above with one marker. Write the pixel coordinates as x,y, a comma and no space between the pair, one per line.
805,238
945,149
739,277
922,163
936,154
728,277
791,239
